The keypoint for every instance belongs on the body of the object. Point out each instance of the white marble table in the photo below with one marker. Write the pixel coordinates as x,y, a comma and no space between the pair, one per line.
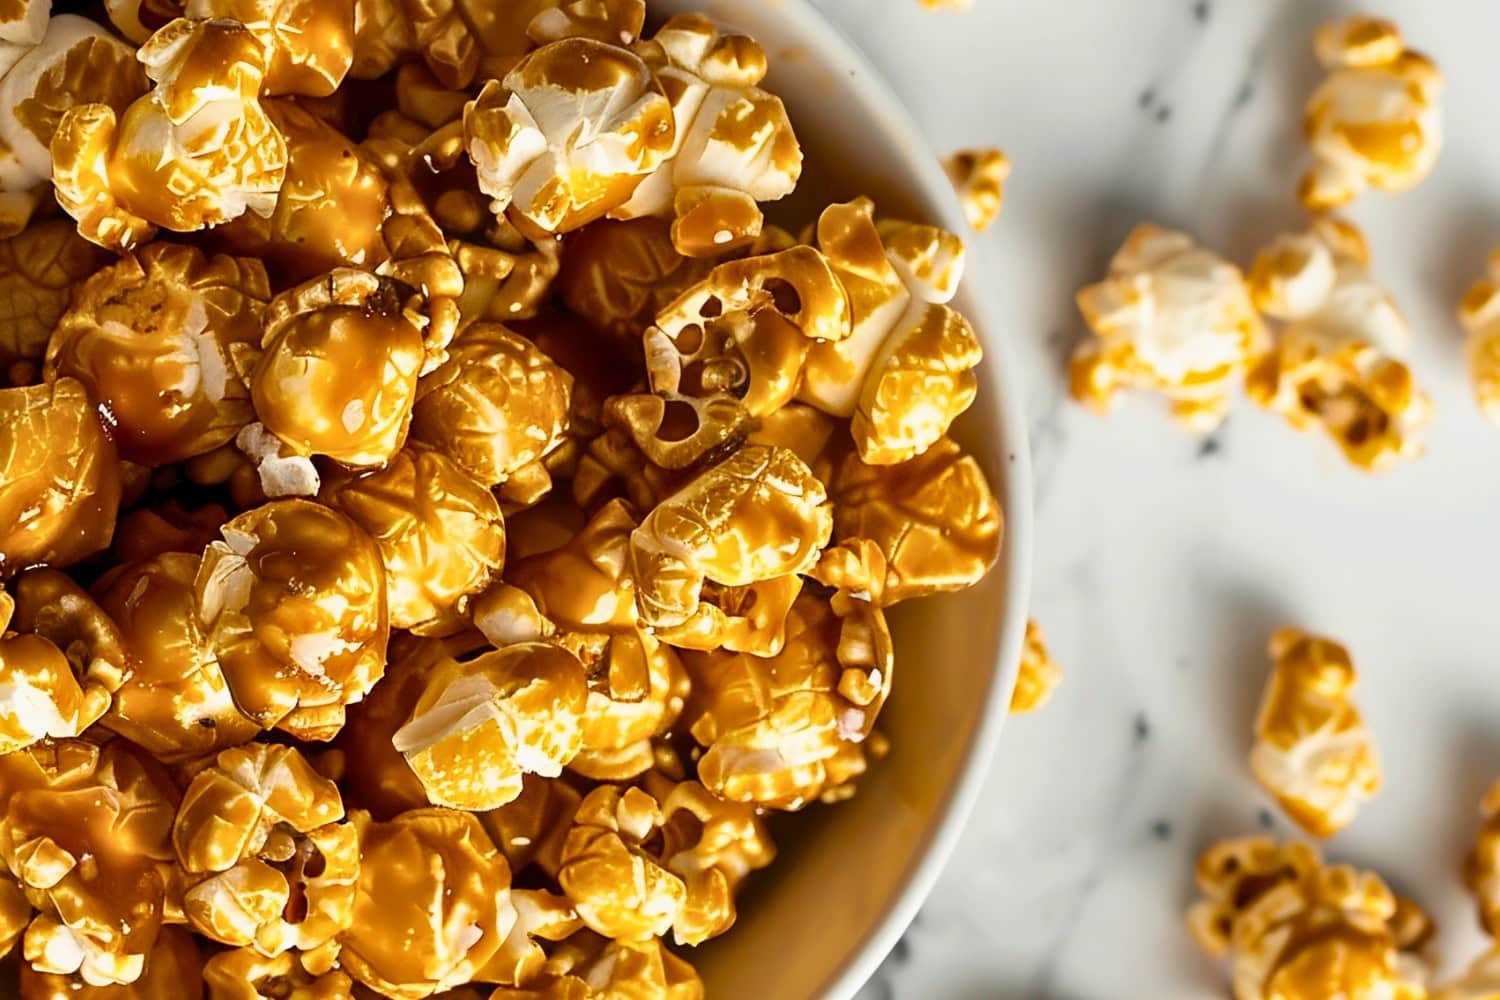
1165,561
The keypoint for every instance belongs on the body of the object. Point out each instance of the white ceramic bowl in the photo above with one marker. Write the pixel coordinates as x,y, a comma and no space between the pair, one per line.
851,877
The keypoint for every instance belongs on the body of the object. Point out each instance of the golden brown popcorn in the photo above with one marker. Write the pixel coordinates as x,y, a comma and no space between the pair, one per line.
583,585
39,268
338,374
906,370
75,62
567,135
612,467
619,275
731,145
382,38
778,731
1374,122
1171,317
173,969
590,967
170,527
540,916
1312,749
530,830
293,603
934,518
637,689
138,20
668,431
1295,929
246,974
496,408
1039,674
758,515
1480,315
197,150
1338,361
59,476
508,283
440,535
480,725
15,914
269,864
42,693
1482,869
424,927
979,176
617,887
163,339
618,22
85,830
805,431
309,44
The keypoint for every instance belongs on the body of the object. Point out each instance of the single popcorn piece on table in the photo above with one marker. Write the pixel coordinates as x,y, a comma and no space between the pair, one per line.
567,135
164,340
1294,928
74,62
637,689
1375,120
309,44
293,603
173,969
1312,749
1338,362
906,370
246,974
85,829
59,476
730,144
1039,675
481,724
269,864
1171,317
194,152
39,269
979,176
1480,315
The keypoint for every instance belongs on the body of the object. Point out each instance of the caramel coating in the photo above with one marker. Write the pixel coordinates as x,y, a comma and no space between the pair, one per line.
338,375
1295,929
163,340
1479,313
979,176
496,407
175,701
480,725
440,535
1312,749
589,967
617,887
171,527
1375,121
246,974
1170,317
1039,675
196,151
39,268
583,585
934,519
619,275
84,829
567,135
173,969
530,829
382,38
732,145
293,601
433,880
1338,361
59,476
15,914
637,689
309,44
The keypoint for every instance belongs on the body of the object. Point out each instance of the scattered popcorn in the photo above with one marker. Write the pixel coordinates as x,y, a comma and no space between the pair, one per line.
1171,317
1480,315
1375,121
979,176
1338,362
1039,674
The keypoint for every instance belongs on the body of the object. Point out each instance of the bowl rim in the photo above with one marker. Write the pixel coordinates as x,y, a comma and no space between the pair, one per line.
936,193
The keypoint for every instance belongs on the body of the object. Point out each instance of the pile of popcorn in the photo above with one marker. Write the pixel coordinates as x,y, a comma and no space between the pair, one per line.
441,519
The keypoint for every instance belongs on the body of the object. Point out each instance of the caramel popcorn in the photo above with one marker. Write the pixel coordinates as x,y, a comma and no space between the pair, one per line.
195,151
619,275
246,974
1338,360
40,695
1312,749
173,969
1479,313
731,144
979,176
1039,674
309,44
163,339
1171,317
59,476
440,535
1374,122
15,914
480,725
1295,929
530,830
431,880
583,585
567,135
39,268
618,889
1482,870
293,604
589,967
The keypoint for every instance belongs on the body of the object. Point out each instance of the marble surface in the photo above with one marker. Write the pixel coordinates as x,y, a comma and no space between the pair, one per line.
1164,561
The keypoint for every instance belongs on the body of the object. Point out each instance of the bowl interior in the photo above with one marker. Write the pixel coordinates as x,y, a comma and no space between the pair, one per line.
850,877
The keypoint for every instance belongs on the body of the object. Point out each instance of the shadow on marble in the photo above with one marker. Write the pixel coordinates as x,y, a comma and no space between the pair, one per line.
1474,745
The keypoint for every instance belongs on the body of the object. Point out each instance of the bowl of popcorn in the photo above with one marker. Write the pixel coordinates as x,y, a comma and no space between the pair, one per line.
470,473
